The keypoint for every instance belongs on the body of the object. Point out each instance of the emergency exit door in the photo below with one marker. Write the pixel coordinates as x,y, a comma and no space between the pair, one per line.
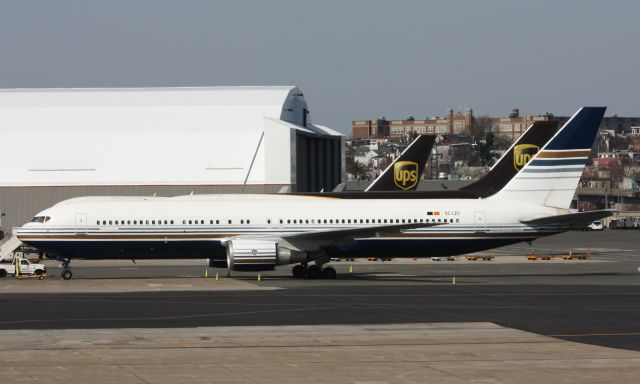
480,221
81,223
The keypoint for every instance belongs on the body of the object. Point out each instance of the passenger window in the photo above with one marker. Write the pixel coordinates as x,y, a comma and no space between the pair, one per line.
241,221
217,221
210,221
248,221
325,221
288,221
438,220
201,221
306,221
152,222
98,222
331,221
189,221
110,222
147,222
229,221
342,221
171,222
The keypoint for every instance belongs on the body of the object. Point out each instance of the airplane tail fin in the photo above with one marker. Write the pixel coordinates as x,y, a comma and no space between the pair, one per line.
522,150
552,176
405,171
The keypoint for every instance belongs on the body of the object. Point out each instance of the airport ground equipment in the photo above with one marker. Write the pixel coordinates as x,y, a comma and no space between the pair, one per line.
20,266
8,247
480,257
564,256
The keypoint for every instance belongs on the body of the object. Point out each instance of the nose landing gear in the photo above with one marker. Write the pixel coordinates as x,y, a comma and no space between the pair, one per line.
66,271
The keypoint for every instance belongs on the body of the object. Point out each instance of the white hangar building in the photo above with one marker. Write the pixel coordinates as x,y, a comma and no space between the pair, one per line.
62,143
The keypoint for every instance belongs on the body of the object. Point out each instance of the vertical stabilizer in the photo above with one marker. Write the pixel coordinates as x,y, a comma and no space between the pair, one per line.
516,157
405,171
552,176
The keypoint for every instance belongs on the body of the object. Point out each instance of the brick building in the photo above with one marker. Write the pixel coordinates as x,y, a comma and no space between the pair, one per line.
511,126
453,124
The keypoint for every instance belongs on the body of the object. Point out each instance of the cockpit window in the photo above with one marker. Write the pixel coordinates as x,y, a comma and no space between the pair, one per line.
40,219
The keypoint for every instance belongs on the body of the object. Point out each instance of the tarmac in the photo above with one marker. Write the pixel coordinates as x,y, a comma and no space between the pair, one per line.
478,353
509,320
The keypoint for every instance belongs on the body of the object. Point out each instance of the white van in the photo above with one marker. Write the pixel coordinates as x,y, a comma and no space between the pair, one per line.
596,226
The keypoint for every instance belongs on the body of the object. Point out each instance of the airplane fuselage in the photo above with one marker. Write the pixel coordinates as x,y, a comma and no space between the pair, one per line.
197,226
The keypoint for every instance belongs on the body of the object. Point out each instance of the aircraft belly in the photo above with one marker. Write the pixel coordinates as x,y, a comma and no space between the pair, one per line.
148,249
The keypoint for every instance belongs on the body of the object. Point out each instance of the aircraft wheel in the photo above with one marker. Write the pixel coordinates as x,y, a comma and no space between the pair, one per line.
3,273
298,271
66,274
313,272
329,273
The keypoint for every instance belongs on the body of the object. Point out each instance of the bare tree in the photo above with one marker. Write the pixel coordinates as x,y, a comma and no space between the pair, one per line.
480,127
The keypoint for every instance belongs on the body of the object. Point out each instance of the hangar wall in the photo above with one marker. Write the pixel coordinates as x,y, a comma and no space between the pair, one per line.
165,141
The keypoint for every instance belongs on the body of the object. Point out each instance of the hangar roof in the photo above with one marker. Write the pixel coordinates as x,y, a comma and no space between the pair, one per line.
148,136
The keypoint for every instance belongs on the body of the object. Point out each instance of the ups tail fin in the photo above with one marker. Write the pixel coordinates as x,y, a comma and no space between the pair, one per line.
404,173
552,176
513,159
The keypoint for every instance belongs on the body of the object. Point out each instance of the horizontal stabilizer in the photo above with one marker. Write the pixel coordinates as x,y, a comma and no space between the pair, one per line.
577,220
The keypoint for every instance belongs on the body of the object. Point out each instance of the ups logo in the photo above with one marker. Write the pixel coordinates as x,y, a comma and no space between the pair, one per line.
522,154
405,174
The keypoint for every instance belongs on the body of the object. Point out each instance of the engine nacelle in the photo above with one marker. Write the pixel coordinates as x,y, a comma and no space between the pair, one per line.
259,255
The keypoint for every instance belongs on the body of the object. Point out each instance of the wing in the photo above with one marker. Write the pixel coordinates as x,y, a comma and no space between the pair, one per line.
335,237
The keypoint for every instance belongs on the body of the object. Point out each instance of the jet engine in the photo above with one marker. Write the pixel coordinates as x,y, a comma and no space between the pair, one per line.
259,255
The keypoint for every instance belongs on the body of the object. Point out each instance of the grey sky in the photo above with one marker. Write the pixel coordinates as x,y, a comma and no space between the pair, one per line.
353,59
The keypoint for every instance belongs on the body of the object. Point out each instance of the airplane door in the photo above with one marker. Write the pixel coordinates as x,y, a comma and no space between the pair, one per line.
81,223
480,221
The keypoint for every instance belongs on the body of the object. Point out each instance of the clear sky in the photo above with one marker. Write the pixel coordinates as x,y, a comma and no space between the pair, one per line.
352,59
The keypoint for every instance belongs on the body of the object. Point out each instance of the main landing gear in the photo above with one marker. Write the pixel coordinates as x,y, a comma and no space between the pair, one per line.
314,271
66,271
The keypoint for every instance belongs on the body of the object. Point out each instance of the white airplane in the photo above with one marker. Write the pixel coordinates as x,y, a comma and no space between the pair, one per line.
260,232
